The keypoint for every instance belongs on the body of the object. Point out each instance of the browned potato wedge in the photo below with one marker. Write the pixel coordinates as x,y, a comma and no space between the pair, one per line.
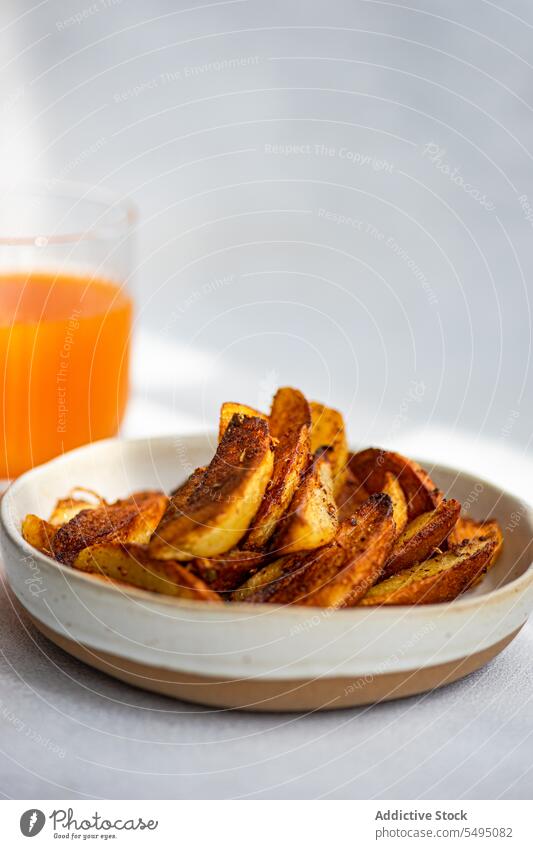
66,508
131,520
229,409
227,572
264,583
183,492
338,574
133,565
422,536
393,489
468,529
38,533
218,512
290,424
352,495
442,578
369,468
311,520
327,431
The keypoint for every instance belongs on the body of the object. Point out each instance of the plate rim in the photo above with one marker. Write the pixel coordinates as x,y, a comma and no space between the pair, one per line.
8,526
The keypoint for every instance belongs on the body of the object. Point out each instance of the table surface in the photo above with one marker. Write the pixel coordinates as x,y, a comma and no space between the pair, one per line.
68,731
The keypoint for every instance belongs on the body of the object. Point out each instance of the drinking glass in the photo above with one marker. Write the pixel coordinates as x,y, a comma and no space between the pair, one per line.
65,319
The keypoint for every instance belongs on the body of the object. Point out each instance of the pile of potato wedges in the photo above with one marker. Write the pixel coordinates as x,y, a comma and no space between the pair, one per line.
283,514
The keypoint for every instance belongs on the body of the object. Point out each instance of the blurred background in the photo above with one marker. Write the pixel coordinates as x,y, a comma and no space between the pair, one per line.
335,195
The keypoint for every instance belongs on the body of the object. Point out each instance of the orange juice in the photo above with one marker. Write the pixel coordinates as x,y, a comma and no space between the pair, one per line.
64,358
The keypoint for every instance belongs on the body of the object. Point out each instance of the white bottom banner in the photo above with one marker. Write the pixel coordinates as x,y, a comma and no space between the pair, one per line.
265,824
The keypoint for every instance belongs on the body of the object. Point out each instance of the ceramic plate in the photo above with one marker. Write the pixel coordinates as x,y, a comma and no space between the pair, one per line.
250,656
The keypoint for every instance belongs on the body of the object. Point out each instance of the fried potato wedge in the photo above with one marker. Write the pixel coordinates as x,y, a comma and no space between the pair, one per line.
290,425
399,504
440,579
338,574
38,533
311,520
422,536
130,520
183,492
260,586
132,564
229,409
327,431
469,529
215,516
352,495
66,508
369,468
229,571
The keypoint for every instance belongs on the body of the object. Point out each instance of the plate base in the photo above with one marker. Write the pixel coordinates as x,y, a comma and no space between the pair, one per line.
271,695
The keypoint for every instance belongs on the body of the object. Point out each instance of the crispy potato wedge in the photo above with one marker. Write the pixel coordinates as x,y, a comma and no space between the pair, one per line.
311,520
229,409
393,489
132,564
290,425
440,579
369,468
227,572
422,536
66,508
261,585
338,574
38,533
352,495
214,518
469,529
183,492
130,520
327,431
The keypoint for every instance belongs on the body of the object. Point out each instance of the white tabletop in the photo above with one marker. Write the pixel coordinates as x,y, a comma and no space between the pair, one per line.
68,731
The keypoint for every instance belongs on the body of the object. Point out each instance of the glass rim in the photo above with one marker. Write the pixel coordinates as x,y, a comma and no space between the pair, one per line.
80,193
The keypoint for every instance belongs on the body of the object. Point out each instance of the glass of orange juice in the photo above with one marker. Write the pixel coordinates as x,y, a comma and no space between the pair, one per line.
65,320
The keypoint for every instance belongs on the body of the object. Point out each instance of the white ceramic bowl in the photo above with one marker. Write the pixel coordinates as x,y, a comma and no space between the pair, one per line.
256,657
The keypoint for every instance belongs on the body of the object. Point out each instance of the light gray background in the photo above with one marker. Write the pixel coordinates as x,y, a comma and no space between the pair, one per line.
247,277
